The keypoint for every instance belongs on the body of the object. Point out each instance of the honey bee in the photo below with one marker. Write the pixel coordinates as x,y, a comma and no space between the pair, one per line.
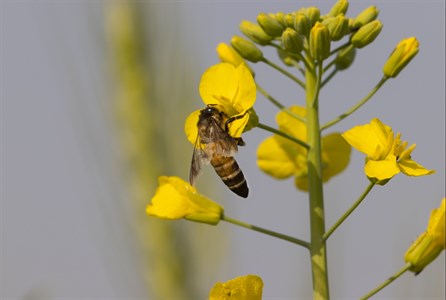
215,145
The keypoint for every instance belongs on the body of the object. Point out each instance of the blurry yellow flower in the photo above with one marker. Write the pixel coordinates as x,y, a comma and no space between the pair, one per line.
233,90
431,243
248,287
386,154
176,199
282,158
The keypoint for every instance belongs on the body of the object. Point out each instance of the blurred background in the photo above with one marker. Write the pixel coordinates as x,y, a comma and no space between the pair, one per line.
93,99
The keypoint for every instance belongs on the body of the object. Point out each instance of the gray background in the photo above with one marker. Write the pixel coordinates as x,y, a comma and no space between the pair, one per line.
62,231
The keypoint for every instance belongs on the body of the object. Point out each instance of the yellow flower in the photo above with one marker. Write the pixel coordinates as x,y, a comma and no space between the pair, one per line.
431,243
233,90
176,199
386,154
248,287
401,56
282,158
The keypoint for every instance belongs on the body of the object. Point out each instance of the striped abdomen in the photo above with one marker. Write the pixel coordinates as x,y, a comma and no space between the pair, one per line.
229,171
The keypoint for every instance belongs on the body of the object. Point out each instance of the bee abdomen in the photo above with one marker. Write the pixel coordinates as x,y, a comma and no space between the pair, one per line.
231,174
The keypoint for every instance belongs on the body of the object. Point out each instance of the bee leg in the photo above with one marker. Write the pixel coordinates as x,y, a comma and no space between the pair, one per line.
232,119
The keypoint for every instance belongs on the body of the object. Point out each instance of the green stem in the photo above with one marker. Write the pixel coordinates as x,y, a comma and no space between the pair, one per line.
358,105
340,48
284,72
279,105
283,134
317,215
387,282
266,231
348,212
298,56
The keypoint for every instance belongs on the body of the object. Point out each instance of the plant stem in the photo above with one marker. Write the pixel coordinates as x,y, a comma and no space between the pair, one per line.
317,217
283,134
284,72
266,231
358,105
348,212
279,105
387,282
330,76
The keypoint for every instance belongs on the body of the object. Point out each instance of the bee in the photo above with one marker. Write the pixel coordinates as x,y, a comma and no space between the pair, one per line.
215,145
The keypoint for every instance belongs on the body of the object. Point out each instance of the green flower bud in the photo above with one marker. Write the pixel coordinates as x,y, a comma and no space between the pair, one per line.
337,26
339,8
255,33
422,252
270,25
302,24
401,56
345,57
366,16
367,34
319,42
246,49
313,13
292,41
289,20
285,57
280,16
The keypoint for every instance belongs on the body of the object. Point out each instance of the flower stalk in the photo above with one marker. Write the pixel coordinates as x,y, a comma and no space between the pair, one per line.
317,215
283,134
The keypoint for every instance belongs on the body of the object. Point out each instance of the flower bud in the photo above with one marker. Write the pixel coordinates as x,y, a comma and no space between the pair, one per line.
302,24
339,8
366,16
255,33
313,13
279,16
345,58
285,57
270,25
288,20
401,56
367,34
319,42
292,41
228,54
337,27
246,49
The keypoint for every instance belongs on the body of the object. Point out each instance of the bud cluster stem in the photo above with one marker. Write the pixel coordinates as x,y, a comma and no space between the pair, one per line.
317,215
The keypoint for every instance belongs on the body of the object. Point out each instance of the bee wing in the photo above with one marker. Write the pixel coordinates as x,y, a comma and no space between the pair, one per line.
199,158
223,143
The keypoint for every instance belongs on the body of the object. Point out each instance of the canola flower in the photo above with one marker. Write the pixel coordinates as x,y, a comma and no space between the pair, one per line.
176,199
430,243
386,154
233,90
282,158
247,287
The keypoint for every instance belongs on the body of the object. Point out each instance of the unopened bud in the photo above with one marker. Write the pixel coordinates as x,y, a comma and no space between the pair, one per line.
270,25
302,24
246,49
422,252
337,26
292,41
345,57
313,13
255,33
366,16
401,56
289,20
279,16
340,7
319,42
228,54
367,34
285,57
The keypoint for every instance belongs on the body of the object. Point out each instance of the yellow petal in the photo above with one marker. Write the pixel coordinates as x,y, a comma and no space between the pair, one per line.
190,126
232,87
293,126
335,155
412,168
275,160
367,138
381,169
248,287
175,199
227,54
